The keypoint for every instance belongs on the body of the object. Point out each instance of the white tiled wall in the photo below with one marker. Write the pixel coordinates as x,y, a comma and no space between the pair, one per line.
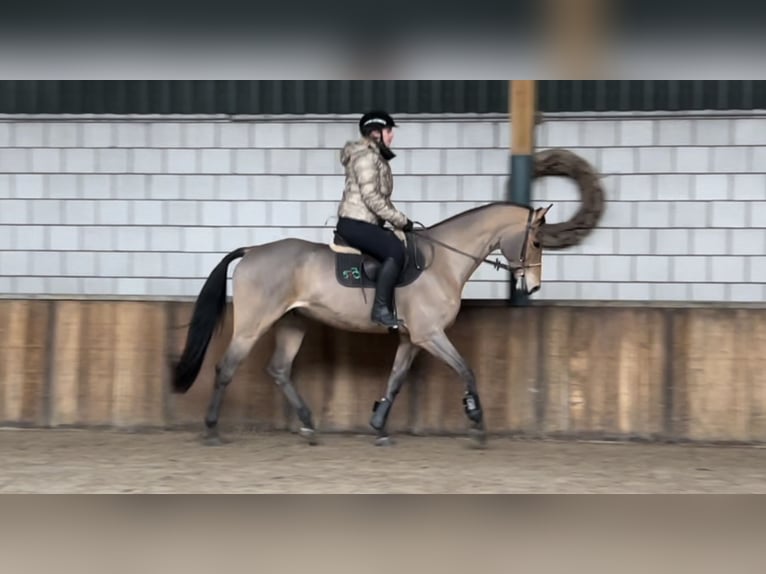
684,218
147,206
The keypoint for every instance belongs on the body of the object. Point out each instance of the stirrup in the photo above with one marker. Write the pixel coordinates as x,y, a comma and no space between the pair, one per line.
393,325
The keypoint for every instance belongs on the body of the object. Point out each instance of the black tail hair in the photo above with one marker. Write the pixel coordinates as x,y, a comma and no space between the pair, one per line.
208,312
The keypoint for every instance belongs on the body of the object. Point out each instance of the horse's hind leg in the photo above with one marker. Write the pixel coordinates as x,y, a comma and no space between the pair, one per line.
405,354
442,348
242,341
238,349
289,333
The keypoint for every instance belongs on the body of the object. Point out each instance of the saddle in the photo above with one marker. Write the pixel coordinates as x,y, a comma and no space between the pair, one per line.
356,269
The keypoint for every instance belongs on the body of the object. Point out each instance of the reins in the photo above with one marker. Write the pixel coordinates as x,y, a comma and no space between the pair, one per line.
497,264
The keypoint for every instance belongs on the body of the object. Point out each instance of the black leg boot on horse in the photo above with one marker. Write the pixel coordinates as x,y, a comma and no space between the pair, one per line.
382,306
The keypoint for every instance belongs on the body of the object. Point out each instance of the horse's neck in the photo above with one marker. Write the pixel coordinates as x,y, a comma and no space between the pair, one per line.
475,235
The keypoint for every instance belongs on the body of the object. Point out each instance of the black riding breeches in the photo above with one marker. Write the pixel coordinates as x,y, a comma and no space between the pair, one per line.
372,239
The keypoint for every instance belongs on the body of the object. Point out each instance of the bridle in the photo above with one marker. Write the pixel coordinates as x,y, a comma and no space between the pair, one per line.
497,264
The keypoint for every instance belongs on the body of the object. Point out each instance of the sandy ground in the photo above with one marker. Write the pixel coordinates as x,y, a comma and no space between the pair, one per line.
77,461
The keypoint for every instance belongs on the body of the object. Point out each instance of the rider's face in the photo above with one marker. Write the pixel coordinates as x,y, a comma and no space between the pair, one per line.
388,136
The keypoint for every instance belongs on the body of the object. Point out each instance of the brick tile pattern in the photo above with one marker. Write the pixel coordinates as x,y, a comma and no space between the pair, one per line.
146,207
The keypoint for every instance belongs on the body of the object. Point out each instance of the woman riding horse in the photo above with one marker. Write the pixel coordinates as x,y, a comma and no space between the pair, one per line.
366,207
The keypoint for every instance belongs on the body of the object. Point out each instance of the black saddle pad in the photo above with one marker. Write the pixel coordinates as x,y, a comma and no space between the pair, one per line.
354,270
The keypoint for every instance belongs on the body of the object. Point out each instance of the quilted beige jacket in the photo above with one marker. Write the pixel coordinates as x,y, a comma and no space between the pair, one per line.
369,183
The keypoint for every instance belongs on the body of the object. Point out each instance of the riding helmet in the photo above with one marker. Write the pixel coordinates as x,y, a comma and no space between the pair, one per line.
375,120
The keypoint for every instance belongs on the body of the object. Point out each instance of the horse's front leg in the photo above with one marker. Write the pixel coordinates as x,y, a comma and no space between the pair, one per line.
405,354
442,348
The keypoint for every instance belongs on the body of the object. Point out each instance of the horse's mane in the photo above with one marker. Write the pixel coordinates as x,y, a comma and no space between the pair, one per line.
475,210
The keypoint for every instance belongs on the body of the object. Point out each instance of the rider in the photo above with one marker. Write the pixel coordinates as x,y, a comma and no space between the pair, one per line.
366,207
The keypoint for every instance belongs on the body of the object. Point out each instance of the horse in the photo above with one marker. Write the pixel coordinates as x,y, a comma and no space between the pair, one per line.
284,283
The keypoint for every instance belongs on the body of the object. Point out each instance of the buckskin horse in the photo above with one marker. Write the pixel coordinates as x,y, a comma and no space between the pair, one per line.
319,284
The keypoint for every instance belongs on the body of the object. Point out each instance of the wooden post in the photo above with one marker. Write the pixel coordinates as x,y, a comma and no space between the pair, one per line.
575,36
522,96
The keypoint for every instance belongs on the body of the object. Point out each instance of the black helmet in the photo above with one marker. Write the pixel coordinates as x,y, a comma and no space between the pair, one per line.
375,120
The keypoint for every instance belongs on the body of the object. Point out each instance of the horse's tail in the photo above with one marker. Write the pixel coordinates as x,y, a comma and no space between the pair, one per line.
208,312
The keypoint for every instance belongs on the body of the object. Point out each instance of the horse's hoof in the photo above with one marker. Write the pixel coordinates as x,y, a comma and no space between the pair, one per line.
384,441
478,438
213,440
310,435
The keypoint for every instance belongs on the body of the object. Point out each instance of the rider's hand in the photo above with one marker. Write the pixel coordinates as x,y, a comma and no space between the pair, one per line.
407,226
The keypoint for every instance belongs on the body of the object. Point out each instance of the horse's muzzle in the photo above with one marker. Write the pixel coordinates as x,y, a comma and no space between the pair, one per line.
523,285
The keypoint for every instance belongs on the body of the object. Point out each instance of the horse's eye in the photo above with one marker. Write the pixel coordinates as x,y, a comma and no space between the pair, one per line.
536,244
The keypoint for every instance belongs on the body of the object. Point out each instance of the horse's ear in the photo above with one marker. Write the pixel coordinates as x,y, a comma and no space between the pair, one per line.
541,212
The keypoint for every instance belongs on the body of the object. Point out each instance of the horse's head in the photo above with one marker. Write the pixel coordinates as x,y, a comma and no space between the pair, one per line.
524,252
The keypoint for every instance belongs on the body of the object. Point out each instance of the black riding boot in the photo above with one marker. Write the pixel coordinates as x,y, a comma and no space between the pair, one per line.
384,289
